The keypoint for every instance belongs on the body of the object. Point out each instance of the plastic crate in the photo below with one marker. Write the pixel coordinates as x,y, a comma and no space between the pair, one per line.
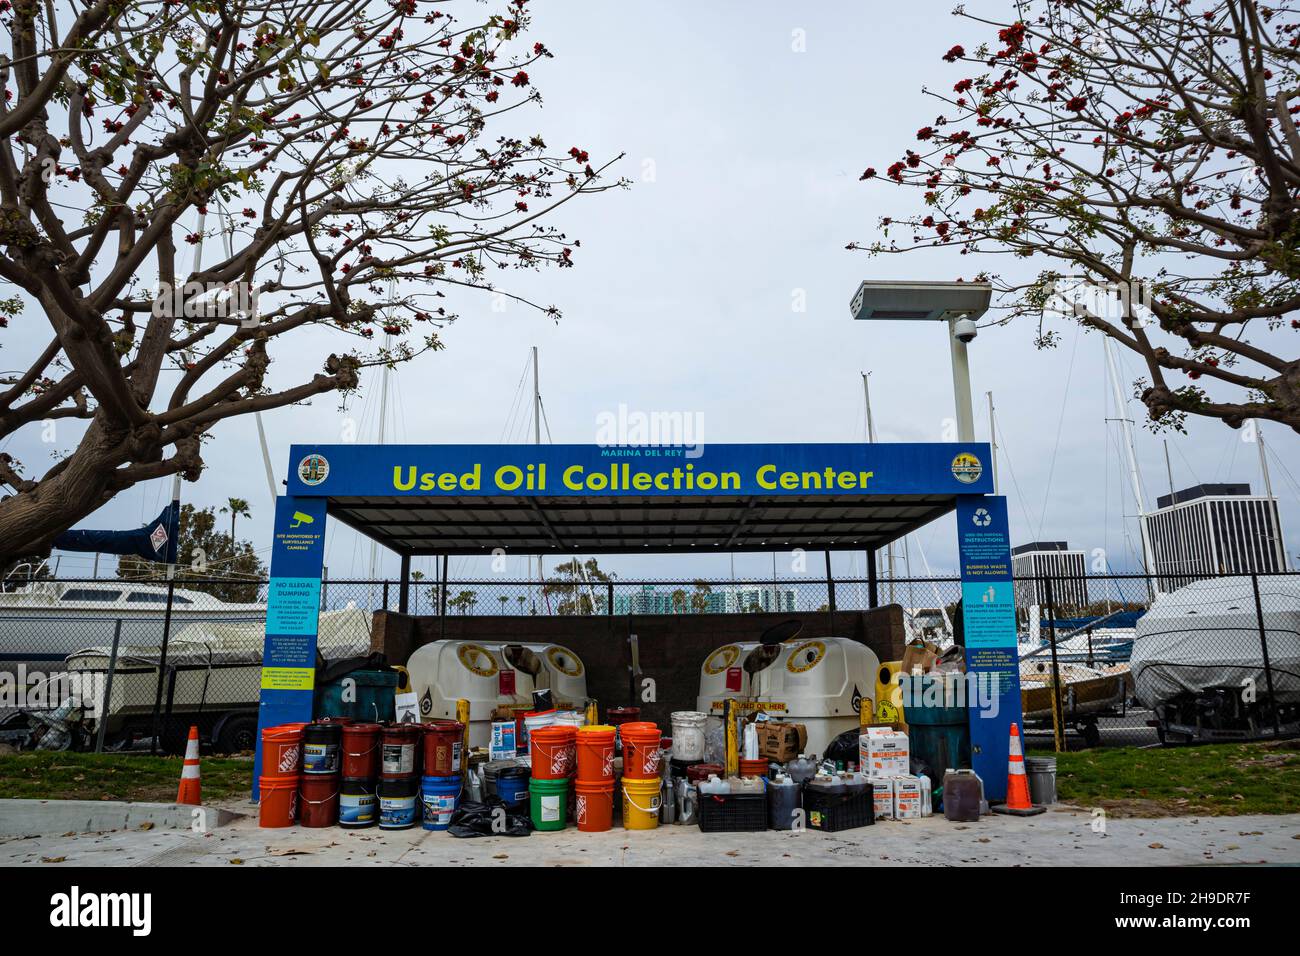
733,812
841,811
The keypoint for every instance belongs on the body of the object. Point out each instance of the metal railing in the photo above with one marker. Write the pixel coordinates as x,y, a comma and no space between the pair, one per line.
1222,663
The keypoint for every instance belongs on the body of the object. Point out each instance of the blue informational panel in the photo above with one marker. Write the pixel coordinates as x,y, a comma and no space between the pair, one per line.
430,471
292,614
989,625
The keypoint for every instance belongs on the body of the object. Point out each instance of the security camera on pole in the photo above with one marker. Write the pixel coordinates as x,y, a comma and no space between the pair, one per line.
960,304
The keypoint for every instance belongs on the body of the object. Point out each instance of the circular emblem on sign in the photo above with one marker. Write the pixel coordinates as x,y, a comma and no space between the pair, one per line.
805,657
564,661
313,469
966,468
477,659
721,659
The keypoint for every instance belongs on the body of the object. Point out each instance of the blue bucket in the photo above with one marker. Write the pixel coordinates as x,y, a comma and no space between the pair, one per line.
512,788
440,797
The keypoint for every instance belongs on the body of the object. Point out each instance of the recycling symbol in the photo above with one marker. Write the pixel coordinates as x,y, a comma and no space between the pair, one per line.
982,518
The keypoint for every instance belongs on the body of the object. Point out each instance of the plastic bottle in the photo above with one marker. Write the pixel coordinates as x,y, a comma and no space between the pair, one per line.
961,796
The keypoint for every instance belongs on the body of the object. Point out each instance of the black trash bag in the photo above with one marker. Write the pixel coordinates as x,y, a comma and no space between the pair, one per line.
918,766
844,747
475,820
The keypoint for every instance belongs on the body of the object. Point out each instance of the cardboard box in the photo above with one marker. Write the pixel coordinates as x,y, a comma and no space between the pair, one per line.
884,752
882,793
907,797
780,741
921,656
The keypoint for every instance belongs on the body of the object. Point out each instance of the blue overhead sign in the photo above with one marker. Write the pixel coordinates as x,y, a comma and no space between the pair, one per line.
593,470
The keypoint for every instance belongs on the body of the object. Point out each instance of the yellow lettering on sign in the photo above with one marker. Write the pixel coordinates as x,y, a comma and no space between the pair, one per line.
288,678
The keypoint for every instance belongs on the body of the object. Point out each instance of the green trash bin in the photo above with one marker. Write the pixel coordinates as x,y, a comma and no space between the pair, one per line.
938,735
371,698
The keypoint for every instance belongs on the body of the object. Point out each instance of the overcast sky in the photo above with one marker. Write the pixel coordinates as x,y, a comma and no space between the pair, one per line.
746,127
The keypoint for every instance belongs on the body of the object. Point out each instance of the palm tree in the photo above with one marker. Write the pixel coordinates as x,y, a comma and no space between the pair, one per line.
236,508
504,599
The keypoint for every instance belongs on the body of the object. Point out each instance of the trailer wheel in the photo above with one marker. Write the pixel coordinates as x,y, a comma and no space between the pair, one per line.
237,734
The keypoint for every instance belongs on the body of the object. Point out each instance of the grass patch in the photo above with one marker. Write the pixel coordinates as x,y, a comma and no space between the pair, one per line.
139,777
1214,780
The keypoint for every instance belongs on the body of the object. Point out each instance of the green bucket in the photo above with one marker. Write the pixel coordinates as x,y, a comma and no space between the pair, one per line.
548,803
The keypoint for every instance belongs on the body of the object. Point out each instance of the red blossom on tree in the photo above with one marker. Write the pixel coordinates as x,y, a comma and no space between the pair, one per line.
369,163
1143,147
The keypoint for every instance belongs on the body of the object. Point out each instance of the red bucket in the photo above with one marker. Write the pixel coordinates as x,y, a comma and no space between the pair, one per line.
399,756
361,751
318,800
282,751
640,750
594,806
553,751
442,743
595,753
277,801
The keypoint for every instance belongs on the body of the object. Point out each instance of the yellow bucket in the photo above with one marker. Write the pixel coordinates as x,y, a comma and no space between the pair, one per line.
889,696
641,804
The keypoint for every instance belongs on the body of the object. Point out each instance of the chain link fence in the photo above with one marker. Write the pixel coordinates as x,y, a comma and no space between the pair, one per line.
1105,659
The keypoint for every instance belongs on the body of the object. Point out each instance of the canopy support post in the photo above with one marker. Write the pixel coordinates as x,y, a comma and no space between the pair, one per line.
404,587
873,588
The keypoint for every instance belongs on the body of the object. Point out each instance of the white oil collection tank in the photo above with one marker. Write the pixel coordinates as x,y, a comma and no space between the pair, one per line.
493,675
821,683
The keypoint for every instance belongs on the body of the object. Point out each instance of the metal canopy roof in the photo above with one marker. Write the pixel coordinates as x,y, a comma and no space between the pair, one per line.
478,524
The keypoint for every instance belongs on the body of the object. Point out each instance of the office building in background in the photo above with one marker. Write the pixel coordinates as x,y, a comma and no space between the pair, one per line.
1214,529
1032,564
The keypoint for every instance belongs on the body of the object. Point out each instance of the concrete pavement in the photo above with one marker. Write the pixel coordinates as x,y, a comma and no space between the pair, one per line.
1063,836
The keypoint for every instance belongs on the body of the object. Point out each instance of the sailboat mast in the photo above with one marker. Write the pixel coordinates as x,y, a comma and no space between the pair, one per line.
871,438
1126,424
993,442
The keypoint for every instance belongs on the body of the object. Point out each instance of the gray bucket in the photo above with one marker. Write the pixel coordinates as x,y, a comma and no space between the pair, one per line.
1041,772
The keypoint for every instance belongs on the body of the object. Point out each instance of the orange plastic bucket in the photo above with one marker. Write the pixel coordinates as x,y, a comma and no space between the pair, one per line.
594,806
553,751
595,752
640,750
278,801
756,767
282,751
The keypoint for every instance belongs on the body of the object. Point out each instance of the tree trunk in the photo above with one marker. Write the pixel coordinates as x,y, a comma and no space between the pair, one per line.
30,520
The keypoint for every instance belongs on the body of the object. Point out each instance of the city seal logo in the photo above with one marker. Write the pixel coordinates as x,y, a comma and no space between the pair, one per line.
313,469
966,468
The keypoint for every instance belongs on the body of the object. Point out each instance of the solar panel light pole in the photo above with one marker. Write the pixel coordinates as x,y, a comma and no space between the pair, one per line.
960,304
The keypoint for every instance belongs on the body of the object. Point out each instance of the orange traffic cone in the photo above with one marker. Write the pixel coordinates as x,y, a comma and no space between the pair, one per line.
190,790
1018,802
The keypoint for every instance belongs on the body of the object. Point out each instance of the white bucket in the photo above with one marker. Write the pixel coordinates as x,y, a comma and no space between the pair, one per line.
688,735
545,719
570,718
